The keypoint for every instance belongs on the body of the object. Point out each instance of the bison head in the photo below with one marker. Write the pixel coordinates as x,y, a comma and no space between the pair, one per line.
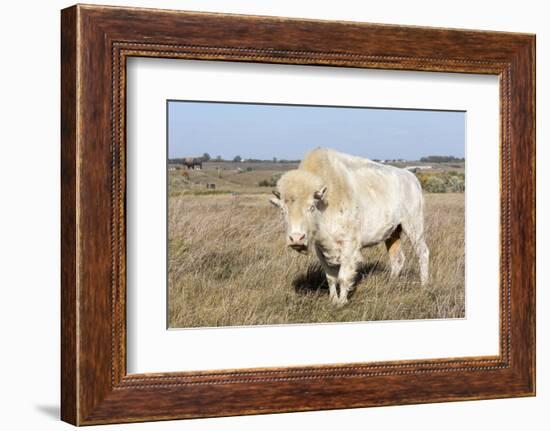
301,196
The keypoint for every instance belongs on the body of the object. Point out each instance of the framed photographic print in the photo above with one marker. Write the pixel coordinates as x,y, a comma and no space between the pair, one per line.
265,215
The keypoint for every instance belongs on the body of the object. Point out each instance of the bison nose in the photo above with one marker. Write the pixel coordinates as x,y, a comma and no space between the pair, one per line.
296,239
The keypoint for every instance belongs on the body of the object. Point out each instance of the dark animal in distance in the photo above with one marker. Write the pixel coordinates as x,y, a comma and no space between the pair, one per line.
193,162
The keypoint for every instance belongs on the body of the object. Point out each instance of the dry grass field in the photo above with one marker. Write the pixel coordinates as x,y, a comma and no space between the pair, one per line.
228,263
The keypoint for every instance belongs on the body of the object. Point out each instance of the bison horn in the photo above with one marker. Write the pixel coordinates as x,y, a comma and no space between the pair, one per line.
320,194
276,193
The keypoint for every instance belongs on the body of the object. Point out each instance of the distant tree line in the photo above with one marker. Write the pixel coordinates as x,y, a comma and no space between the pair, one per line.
441,159
273,160
237,159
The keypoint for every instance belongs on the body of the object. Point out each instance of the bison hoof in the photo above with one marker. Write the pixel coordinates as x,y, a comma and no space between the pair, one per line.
339,302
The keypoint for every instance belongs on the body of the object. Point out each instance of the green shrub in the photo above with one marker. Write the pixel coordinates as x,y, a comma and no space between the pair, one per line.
435,184
439,182
456,184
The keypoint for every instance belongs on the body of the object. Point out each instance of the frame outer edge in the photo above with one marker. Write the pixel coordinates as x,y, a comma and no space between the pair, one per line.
87,397
533,54
69,201
532,99
531,83
524,215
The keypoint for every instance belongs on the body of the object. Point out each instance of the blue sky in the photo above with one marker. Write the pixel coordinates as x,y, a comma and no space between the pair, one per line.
288,131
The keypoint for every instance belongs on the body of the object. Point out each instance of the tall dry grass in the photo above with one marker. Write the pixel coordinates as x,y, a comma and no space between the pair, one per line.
228,265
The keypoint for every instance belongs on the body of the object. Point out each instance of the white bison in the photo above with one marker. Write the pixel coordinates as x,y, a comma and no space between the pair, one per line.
337,204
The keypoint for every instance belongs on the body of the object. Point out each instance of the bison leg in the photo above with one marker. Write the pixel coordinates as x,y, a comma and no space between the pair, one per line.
423,254
397,257
332,280
346,278
415,232
331,273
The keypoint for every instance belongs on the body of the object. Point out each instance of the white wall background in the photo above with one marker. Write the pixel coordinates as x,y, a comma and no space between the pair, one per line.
29,214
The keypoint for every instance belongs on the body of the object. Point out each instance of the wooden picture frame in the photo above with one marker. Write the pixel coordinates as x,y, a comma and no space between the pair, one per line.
95,43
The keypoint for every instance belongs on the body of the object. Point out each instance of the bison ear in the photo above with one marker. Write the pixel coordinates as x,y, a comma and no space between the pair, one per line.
276,193
320,194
